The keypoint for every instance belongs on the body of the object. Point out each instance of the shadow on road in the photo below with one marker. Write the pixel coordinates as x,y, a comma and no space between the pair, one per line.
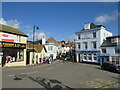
107,70
49,84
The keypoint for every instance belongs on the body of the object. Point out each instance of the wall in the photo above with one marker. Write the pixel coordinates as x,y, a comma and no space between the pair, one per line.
53,51
13,38
101,34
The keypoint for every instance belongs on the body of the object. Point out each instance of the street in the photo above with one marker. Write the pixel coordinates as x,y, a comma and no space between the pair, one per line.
59,75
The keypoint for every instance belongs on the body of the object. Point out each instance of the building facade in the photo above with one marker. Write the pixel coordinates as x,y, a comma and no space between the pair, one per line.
88,42
39,53
13,43
51,46
111,51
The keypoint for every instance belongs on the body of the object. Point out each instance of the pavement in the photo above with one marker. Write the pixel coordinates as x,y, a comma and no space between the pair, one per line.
59,75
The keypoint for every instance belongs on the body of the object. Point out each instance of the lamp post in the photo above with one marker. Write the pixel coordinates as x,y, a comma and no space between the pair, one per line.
34,28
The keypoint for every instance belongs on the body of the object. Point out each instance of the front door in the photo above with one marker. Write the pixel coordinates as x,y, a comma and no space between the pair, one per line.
102,60
51,55
79,57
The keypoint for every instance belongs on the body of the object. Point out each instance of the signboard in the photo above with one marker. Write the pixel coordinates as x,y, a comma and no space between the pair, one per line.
17,45
7,37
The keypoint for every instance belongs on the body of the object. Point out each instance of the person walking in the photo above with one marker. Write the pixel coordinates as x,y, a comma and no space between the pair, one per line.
9,60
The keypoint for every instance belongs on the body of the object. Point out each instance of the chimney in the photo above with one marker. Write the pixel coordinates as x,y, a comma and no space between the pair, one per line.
43,40
87,26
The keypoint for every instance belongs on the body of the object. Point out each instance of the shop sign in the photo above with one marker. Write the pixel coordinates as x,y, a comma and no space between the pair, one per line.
7,37
5,44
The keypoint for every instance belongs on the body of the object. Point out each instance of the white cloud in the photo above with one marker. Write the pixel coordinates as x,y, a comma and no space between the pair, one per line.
12,23
37,35
2,21
28,26
71,37
106,18
48,33
40,35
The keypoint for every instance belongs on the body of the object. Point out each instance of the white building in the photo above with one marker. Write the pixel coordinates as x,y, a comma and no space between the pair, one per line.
88,42
51,46
52,50
111,51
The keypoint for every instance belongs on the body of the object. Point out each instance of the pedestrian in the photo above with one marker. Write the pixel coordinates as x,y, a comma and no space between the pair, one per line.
49,60
9,60
63,59
42,60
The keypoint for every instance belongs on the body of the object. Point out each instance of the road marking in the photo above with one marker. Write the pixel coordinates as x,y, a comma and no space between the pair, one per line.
30,72
11,75
101,83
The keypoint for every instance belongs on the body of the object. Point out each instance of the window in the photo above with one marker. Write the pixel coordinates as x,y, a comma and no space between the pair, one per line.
78,45
117,50
78,36
113,40
50,48
85,45
18,38
104,50
94,45
89,56
85,56
95,56
117,60
113,60
94,35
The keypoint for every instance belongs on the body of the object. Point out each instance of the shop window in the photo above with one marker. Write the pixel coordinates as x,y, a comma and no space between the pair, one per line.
95,56
89,56
104,50
117,50
113,60
117,61
85,56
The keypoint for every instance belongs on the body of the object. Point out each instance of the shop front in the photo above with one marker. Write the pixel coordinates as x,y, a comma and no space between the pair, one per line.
13,46
13,50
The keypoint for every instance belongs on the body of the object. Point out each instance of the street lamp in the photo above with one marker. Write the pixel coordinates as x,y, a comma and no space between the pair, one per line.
34,28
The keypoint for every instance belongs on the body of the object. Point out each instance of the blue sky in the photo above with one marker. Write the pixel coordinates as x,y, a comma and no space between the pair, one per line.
61,19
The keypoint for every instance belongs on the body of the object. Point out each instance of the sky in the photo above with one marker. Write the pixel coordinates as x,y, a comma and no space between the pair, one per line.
59,20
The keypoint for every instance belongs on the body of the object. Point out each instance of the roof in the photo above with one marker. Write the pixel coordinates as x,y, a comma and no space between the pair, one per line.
12,30
37,48
92,25
109,42
51,40
113,36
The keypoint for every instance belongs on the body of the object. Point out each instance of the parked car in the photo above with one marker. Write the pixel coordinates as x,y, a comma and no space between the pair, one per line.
110,67
68,58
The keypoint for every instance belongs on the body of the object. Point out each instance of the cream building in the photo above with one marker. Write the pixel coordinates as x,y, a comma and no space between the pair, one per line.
39,53
13,43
